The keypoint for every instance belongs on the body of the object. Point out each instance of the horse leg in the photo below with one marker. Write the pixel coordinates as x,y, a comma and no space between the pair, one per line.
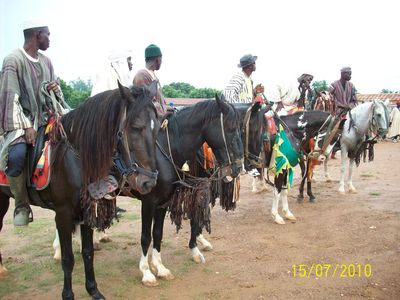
148,278
352,189
195,231
64,228
327,176
160,270
300,196
343,155
87,255
57,247
4,204
285,205
278,182
207,246
310,174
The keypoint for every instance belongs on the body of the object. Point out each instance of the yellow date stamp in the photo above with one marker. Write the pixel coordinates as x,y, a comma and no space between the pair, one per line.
332,270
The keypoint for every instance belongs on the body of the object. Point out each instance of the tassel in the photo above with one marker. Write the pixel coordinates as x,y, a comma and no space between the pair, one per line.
185,167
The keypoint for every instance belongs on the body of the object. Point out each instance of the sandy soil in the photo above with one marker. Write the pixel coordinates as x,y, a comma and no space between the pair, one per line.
253,258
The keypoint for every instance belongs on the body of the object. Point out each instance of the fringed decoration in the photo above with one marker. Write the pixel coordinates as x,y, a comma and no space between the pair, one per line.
366,148
230,194
191,200
98,214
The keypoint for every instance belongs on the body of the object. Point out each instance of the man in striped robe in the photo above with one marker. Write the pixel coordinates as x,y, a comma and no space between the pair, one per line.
343,91
26,78
240,87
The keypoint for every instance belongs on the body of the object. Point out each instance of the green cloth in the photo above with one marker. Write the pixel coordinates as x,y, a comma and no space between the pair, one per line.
152,51
286,157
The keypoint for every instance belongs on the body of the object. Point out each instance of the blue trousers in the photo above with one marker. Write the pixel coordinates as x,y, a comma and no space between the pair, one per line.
16,159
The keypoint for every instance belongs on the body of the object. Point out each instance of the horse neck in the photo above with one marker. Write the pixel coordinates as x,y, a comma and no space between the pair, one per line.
362,117
186,138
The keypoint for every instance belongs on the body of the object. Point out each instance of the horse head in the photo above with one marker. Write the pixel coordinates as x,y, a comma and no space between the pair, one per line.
225,139
137,137
380,118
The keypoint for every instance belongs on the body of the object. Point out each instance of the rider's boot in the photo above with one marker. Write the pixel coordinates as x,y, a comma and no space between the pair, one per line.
18,189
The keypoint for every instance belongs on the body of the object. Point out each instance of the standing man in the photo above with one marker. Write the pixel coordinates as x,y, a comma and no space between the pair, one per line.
343,92
27,78
153,58
118,68
240,87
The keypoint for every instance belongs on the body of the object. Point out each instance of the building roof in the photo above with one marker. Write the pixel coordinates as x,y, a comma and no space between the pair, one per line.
183,101
393,98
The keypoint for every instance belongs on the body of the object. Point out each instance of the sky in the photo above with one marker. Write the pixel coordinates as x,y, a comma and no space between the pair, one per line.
202,41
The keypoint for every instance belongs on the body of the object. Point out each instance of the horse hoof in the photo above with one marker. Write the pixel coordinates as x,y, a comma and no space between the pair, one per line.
300,199
313,200
342,192
207,247
167,276
353,191
278,220
150,283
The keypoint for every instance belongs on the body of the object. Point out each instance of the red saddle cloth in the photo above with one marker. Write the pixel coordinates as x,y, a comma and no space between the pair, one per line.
41,175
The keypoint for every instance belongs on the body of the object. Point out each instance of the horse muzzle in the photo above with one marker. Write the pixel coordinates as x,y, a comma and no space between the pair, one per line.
142,183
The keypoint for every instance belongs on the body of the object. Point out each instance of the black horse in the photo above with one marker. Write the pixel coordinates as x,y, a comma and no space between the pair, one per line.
213,121
252,124
114,127
299,128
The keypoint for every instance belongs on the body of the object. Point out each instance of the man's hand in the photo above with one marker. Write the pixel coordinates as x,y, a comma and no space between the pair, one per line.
30,136
53,86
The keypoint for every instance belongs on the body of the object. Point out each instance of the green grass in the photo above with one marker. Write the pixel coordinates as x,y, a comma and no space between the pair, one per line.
366,175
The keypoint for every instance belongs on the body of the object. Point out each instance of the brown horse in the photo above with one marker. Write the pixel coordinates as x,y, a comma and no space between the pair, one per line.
324,102
117,127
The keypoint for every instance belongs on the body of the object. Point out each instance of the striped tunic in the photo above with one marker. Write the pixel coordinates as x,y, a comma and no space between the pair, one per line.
239,89
21,78
344,96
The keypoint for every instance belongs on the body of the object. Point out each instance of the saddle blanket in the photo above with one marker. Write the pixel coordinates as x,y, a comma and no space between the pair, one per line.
41,176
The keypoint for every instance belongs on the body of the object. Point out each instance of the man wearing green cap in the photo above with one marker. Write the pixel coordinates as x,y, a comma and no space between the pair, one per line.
153,58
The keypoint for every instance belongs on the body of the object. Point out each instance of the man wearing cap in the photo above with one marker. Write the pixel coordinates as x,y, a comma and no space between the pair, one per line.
117,68
153,58
27,78
240,87
343,92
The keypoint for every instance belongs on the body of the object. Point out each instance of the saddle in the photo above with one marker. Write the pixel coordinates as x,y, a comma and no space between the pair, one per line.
38,168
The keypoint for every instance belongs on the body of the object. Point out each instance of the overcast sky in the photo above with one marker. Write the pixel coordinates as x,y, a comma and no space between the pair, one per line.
202,41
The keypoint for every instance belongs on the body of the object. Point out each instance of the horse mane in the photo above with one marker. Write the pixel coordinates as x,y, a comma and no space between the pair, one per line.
92,129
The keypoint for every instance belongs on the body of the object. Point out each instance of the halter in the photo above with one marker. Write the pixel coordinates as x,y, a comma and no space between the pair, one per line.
122,143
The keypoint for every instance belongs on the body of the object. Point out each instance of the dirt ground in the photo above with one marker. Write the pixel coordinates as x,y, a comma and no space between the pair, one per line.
253,258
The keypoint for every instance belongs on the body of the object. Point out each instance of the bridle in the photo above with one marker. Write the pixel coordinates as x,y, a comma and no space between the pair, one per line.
122,150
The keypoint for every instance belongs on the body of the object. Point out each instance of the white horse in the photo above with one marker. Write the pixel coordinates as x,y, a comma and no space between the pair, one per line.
368,118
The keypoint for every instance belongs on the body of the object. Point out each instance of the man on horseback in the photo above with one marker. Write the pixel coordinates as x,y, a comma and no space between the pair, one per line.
27,83
153,57
306,93
344,97
240,87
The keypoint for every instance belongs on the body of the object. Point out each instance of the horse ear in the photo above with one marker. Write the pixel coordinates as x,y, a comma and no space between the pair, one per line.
123,91
222,104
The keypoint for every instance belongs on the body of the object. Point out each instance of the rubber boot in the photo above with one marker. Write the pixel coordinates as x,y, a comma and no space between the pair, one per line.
18,189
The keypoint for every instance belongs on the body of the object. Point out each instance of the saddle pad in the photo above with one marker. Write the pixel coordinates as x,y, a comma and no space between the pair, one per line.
41,176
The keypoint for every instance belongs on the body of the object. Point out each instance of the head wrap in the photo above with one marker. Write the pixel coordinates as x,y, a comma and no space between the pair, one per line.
152,51
247,60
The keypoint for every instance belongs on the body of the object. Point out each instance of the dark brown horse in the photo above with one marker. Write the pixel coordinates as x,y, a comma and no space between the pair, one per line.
114,127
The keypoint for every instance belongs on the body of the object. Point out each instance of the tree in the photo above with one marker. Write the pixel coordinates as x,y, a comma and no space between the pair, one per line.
185,90
76,91
320,86
387,91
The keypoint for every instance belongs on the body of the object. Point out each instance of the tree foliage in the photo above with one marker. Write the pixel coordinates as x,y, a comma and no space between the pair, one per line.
320,86
387,91
76,91
185,90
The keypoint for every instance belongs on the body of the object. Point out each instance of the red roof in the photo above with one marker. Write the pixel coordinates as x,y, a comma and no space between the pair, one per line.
184,101
393,98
